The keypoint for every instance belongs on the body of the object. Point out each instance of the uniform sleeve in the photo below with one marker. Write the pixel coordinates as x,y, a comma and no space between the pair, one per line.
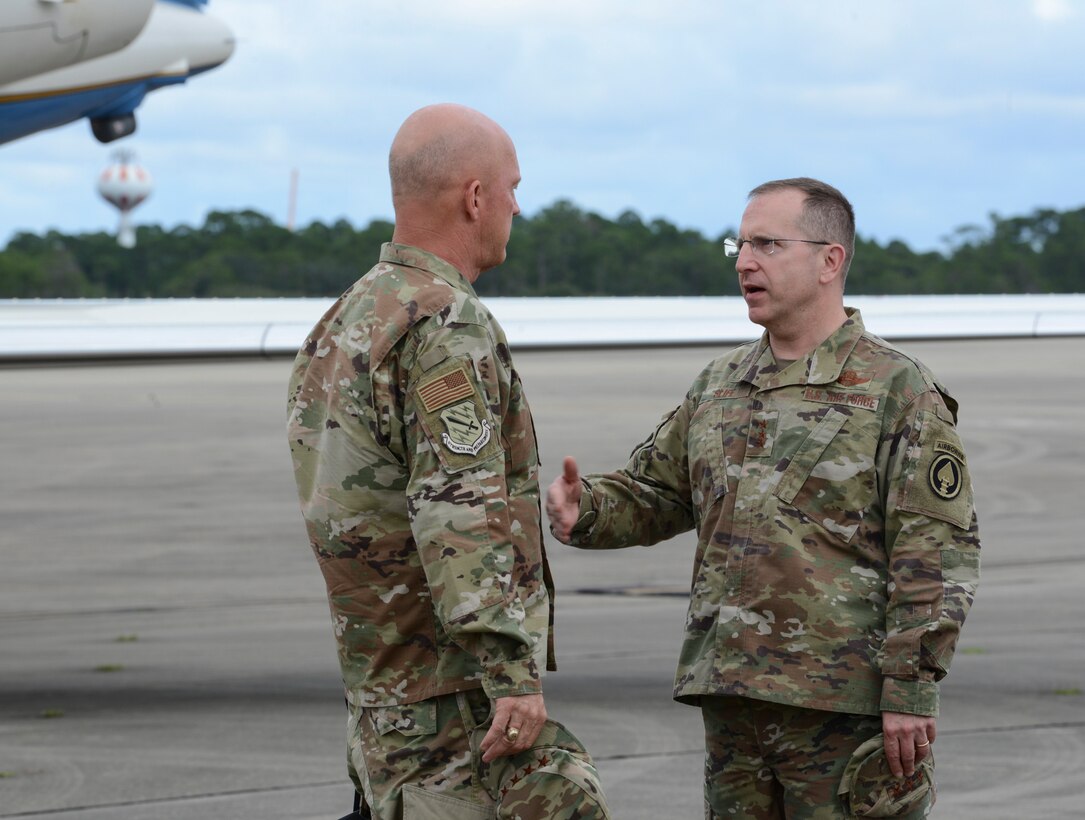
647,501
932,544
459,507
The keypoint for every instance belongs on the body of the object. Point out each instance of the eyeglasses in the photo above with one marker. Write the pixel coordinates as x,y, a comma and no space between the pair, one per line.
761,244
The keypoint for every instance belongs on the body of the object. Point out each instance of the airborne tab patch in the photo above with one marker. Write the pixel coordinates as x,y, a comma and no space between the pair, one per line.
951,449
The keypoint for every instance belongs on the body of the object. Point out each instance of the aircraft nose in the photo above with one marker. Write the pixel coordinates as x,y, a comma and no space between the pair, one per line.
214,45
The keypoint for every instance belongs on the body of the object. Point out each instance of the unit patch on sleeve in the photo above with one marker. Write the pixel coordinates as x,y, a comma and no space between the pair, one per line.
454,416
464,431
938,484
946,470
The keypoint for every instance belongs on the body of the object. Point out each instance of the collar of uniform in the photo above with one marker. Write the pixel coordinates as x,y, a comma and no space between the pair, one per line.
412,257
822,366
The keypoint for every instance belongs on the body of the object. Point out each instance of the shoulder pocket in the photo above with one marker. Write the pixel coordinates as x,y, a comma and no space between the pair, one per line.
938,483
454,416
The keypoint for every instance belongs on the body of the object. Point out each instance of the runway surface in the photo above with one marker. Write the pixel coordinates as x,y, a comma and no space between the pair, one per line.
165,648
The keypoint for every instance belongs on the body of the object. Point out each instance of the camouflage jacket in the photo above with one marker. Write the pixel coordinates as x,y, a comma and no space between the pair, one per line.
417,468
837,550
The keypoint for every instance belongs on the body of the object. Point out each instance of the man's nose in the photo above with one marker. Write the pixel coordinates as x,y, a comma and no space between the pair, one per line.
746,259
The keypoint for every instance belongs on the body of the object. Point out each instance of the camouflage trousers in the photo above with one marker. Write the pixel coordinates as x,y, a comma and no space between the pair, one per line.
768,761
422,761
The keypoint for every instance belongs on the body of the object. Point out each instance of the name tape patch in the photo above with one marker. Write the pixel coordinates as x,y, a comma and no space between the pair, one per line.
860,400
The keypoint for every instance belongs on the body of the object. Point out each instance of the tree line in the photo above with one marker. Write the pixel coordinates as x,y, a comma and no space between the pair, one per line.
561,251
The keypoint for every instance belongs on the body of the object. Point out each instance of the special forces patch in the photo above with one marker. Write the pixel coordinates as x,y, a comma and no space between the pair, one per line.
938,484
945,472
454,416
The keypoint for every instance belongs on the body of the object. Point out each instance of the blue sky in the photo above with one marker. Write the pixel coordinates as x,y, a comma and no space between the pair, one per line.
928,115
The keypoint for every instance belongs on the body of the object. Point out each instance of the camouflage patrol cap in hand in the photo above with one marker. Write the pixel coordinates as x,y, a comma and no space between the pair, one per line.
870,789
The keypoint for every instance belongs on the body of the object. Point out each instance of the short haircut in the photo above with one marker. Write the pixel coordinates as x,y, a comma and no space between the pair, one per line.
826,213
422,170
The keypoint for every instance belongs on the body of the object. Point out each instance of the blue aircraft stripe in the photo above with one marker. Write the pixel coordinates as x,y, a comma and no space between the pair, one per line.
191,3
26,116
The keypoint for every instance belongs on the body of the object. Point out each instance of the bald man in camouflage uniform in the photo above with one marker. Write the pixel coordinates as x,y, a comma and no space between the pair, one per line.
837,549
417,468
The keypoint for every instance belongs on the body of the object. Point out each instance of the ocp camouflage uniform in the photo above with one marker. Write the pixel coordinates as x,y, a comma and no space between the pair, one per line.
425,763
417,469
837,549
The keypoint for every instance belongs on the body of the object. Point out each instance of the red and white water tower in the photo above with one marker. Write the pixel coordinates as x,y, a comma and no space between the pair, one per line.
124,185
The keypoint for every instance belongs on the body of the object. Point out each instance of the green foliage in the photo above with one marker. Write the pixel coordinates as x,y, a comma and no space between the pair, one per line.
564,251
561,251
43,267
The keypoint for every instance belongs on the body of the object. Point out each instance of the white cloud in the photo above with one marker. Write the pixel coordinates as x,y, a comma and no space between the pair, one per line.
1053,11
928,114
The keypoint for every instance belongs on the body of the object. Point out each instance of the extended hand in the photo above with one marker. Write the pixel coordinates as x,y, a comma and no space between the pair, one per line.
563,500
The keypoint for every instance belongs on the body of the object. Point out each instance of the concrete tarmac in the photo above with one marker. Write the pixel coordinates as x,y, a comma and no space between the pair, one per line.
166,652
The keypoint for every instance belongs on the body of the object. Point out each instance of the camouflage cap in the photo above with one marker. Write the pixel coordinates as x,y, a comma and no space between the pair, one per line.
869,789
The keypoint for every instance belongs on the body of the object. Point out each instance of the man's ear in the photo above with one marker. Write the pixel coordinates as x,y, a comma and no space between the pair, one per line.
833,267
472,199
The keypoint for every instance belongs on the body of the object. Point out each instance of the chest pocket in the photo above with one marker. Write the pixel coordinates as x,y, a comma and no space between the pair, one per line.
831,477
708,457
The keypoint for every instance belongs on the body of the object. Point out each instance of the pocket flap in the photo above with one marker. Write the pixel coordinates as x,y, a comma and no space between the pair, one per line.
408,719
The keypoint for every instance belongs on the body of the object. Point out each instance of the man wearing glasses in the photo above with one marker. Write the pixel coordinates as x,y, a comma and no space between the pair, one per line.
837,553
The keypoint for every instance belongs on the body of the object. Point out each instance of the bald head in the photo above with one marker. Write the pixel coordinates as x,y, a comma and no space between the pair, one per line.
440,147
454,176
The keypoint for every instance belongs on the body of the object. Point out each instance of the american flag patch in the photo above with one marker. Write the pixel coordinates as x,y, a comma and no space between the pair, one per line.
444,390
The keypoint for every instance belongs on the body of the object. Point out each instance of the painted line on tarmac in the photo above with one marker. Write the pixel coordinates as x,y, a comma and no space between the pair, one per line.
162,801
1024,727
